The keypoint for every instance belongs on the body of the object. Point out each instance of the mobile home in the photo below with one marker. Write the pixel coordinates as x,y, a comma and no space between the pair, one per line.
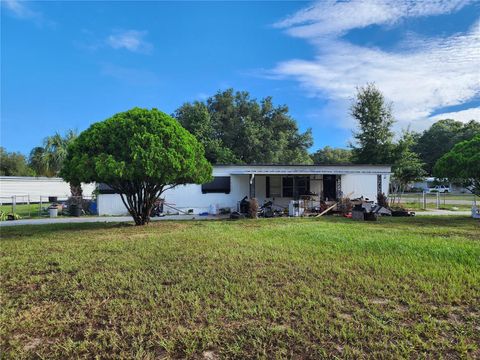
277,183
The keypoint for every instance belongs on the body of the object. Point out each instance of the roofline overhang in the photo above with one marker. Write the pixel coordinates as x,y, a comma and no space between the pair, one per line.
310,172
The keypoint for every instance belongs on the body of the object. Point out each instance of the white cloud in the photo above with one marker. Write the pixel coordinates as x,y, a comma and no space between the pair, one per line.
425,75
330,17
132,40
23,10
20,9
462,115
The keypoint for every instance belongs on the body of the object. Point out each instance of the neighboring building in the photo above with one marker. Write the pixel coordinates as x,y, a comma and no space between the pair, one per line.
424,185
279,183
430,182
30,189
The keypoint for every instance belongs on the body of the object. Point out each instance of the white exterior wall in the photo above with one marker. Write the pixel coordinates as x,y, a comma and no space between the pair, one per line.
34,187
360,179
184,197
363,185
190,196
110,204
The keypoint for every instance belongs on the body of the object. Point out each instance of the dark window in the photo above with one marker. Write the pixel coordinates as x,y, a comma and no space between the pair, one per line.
295,186
273,186
287,187
220,184
302,185
267,186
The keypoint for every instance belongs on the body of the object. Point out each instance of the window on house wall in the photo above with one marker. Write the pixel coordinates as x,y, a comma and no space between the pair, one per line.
220,184
274,186
302,185
287,186
295,186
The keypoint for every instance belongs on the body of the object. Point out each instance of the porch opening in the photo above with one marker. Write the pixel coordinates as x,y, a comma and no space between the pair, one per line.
329,187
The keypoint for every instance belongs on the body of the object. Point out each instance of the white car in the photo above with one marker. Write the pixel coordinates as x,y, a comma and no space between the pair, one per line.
439,189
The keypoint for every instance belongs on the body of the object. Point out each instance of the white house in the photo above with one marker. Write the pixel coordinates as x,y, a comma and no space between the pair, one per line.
24,189
279,183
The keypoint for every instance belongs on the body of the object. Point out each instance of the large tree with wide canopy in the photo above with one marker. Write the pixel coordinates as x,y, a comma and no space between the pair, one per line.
140,154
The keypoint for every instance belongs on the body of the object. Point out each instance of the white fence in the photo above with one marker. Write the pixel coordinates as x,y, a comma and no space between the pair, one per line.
31,189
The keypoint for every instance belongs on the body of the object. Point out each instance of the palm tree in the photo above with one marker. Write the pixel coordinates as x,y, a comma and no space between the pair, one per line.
54,153
35,161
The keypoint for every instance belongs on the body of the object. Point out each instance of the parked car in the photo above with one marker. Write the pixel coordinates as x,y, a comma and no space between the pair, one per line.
439,189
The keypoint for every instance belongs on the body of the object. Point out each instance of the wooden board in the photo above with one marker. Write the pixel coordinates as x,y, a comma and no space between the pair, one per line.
331,207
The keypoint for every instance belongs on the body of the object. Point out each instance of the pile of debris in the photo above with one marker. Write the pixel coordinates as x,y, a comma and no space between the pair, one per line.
246,208
368,211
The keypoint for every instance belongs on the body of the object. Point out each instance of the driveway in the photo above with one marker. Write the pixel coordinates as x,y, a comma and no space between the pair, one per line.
101,219
108,219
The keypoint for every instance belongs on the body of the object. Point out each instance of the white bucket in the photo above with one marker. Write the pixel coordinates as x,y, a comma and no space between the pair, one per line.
53,212
212,210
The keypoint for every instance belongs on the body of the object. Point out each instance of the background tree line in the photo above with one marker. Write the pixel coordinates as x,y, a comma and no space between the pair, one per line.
237,129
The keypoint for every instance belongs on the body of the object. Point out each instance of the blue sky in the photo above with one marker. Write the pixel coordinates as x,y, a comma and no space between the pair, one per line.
68,64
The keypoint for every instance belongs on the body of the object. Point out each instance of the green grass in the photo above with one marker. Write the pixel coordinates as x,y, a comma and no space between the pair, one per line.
26,210
415,206
448,196
282,288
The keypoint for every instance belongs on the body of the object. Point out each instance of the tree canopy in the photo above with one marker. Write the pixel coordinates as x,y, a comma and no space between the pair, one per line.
235,128
373,139
407,166
47,160
329,155
140,154
13,164
440,138
462,163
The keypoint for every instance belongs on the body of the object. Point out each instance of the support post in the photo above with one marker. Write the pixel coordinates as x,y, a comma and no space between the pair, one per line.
424,201
14,203
252,186
438,200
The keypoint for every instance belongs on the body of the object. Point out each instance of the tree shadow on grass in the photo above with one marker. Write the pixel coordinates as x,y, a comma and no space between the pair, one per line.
28,231
25,231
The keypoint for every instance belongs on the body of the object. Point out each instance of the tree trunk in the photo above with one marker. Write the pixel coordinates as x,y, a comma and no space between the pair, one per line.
76,190
139,199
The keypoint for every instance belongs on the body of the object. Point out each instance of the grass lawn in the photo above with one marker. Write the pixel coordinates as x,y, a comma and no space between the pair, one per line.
448,196
27,210
282,288
415,206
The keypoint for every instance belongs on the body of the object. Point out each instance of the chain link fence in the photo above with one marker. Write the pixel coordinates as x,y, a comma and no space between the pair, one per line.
21,206
433,201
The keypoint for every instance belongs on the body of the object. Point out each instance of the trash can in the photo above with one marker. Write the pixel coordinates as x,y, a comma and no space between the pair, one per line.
75,210
93,208
53,212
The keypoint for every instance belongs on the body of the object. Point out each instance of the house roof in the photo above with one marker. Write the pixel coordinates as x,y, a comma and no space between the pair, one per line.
313,165
292,169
